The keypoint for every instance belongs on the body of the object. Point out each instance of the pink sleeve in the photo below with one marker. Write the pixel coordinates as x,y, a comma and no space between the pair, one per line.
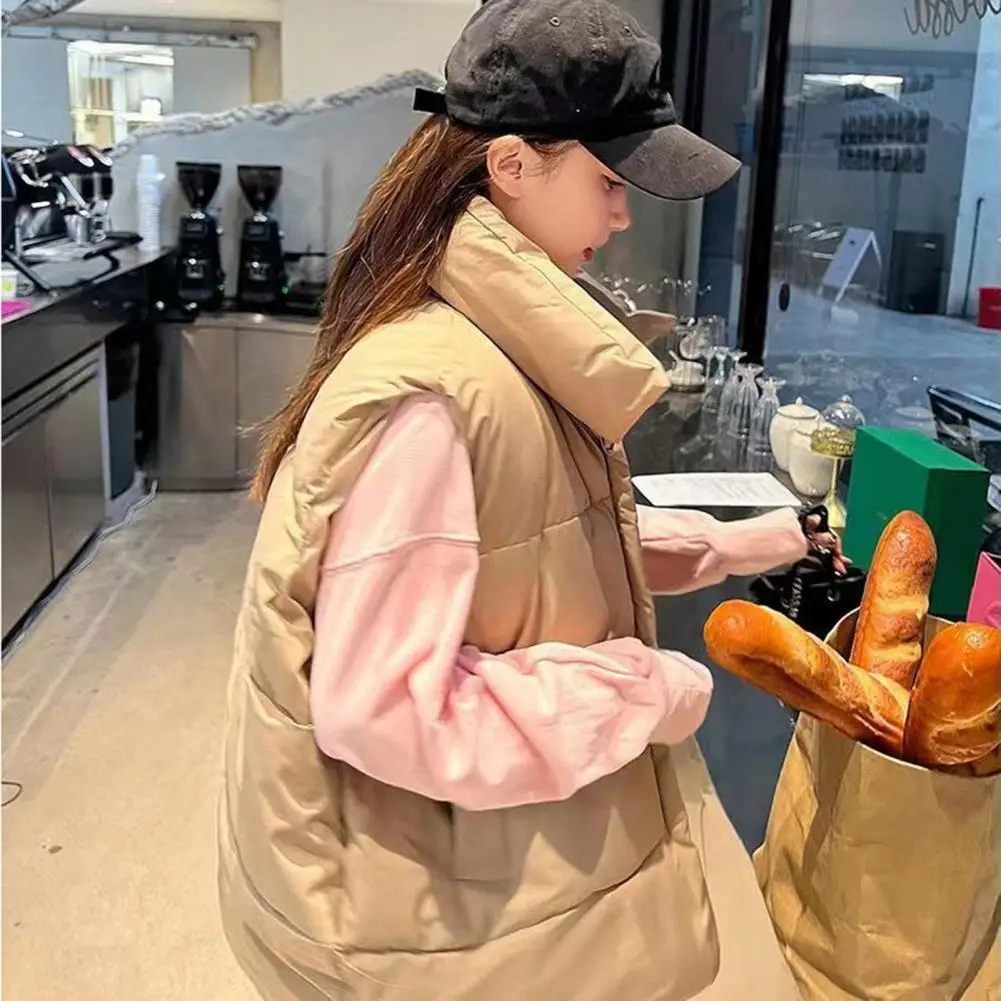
687,550
396,694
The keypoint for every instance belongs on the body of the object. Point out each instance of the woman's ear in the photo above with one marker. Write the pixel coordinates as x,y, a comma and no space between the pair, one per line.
506,164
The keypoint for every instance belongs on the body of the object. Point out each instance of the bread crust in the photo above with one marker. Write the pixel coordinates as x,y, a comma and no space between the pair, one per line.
955,707
891,622
773,653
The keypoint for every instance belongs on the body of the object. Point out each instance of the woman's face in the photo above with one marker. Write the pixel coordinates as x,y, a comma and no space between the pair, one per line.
568,205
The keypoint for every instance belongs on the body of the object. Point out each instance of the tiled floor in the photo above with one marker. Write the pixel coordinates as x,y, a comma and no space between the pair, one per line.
112,720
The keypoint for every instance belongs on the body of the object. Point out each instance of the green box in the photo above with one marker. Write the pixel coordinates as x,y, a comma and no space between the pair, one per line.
898,470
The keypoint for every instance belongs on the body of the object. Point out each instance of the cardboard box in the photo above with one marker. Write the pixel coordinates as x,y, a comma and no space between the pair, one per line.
898,470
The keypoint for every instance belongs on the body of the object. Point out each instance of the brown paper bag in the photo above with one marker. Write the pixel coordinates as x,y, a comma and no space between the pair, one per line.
881,877
987,985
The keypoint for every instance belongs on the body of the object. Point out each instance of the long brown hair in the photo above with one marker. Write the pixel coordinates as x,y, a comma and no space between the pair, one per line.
390,259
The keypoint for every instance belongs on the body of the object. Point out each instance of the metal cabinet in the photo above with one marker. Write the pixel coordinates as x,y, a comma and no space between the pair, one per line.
220,376
270,360
27,548
197,401
53,481
76,467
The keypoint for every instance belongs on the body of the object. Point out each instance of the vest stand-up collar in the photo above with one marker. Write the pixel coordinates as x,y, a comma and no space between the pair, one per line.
559,337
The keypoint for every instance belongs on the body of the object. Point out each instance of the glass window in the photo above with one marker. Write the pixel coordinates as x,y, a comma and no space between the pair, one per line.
647,267
116,87
733,44
887,223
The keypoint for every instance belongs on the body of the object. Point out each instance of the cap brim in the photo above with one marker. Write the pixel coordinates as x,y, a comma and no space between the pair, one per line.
668,162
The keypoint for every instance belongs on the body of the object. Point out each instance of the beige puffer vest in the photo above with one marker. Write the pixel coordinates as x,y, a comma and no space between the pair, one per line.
337,887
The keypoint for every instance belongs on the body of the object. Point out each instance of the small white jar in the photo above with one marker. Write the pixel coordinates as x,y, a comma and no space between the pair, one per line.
784,424
811,472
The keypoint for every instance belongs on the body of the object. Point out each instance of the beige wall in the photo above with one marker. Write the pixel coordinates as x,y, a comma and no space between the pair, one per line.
210,79
219,10
331,45
307,48
266,64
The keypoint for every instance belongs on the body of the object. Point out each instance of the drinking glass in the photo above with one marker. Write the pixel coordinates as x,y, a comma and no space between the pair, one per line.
738,426
764,413
729,392
715,327
702,338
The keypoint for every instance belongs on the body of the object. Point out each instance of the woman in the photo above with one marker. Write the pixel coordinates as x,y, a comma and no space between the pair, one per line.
448,773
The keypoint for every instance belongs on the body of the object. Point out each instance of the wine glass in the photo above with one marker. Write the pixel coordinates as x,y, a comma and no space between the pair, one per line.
686,298
715,326
720,354
668,296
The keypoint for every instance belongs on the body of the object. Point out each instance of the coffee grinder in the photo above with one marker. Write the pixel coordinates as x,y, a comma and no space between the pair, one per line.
262,282
200,277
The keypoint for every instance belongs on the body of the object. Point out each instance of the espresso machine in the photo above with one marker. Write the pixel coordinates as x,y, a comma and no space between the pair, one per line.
96,188
200,275
262,284
53,222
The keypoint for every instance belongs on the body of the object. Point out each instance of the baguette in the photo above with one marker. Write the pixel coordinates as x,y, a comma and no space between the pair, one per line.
774,654
891,621
955,706
982,768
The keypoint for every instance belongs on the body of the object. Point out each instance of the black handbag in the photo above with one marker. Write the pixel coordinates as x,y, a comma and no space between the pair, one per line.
811,593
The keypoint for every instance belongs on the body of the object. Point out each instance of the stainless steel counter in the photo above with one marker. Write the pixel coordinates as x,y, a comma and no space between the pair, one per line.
81,276
53,480
219,377
55,452
61,324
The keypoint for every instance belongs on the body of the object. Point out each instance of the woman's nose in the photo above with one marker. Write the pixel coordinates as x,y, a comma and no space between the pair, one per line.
620,217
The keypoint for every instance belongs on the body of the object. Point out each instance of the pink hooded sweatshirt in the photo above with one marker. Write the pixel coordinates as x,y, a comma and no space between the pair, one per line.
396,694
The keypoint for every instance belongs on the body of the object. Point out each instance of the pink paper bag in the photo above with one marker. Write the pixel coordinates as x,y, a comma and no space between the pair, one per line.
985,599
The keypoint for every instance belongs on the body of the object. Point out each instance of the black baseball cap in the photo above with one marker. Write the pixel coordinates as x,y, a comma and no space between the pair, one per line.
583,70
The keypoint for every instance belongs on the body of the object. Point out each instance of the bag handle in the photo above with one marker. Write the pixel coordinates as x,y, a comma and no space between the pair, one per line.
825,557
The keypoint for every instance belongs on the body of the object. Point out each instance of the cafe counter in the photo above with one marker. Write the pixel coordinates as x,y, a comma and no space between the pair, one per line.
62,367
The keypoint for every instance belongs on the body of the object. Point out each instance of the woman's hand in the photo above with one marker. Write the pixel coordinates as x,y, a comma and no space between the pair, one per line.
822,540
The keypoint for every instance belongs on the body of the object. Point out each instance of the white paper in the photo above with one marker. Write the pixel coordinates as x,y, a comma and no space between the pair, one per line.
715,490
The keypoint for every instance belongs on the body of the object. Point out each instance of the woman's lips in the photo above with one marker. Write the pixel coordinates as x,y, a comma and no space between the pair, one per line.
588,253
